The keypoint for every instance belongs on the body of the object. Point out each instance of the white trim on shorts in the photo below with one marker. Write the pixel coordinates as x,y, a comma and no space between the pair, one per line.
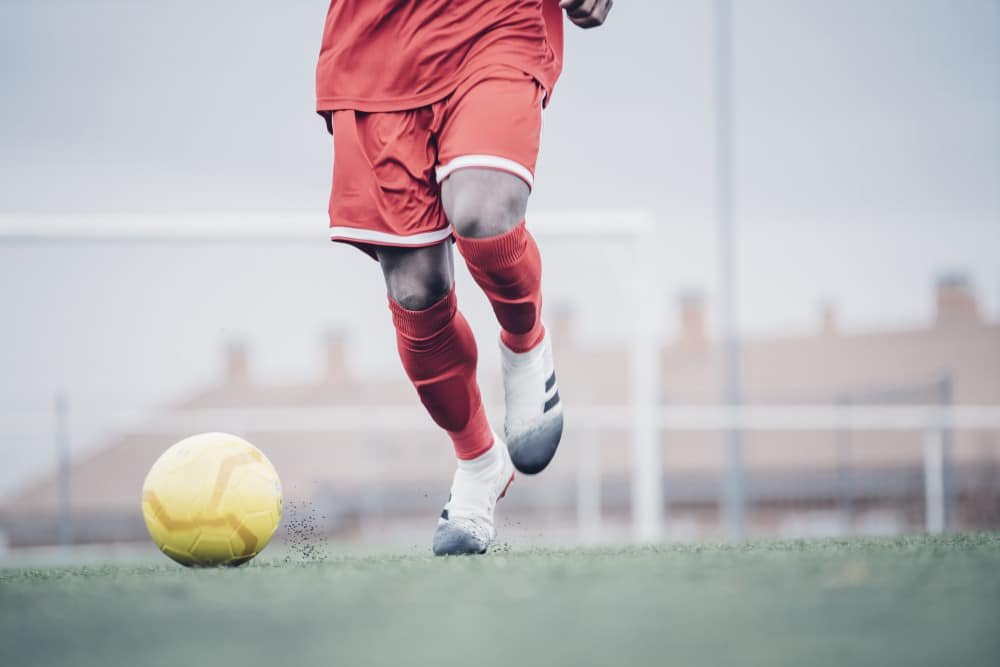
485,162
384,238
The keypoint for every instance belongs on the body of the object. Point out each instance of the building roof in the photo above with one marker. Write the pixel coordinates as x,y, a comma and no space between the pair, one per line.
827,366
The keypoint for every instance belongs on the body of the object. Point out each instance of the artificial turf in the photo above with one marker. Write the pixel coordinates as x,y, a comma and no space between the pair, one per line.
901,601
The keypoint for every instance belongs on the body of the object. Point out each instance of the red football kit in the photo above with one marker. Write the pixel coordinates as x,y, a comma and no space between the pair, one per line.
412,91
415,89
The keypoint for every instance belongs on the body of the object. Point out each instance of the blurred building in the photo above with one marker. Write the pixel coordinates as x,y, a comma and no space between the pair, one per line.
380,485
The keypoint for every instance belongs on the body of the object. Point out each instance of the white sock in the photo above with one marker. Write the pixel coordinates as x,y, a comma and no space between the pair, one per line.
482,463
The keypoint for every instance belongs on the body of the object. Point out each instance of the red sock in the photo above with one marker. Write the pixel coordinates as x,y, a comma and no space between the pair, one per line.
509,269
439,355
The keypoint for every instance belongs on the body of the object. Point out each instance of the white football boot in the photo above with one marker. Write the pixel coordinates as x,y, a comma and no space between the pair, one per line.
534,421
466,525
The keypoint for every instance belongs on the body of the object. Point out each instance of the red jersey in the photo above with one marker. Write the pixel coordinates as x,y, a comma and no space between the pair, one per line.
393,55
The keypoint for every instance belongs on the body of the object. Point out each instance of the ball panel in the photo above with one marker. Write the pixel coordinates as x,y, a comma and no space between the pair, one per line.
256,489
212,548
262,525
164,528
182,557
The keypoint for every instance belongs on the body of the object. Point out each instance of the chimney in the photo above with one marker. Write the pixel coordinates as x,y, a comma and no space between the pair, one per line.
335,351
828,319
237,363
956,302
693,328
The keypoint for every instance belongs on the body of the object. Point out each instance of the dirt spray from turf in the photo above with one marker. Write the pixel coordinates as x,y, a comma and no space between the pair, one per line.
305,540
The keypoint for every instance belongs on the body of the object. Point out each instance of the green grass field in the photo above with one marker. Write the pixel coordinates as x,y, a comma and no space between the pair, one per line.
906,601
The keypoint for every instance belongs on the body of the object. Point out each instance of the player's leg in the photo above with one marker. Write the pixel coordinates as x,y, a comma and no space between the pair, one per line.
486,208
383,202
486,157
439,354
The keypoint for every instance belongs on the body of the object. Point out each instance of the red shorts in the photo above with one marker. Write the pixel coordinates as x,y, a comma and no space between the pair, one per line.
388,166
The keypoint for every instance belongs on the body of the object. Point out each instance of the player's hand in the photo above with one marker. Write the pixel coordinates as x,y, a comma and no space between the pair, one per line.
587,13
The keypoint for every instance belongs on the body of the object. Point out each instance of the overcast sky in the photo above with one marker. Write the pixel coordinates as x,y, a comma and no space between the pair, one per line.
867,161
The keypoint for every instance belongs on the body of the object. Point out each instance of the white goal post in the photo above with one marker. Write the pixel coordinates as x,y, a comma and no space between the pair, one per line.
636,229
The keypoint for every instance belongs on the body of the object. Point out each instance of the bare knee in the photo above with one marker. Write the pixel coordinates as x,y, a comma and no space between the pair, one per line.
417,278
417,293
482,203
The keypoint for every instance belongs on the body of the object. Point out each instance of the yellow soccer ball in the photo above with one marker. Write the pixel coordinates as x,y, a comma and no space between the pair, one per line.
212,499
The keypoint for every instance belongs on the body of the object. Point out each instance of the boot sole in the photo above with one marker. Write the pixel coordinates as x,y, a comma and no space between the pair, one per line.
452,541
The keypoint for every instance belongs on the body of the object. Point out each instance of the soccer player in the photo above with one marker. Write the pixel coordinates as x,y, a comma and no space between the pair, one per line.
435,109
